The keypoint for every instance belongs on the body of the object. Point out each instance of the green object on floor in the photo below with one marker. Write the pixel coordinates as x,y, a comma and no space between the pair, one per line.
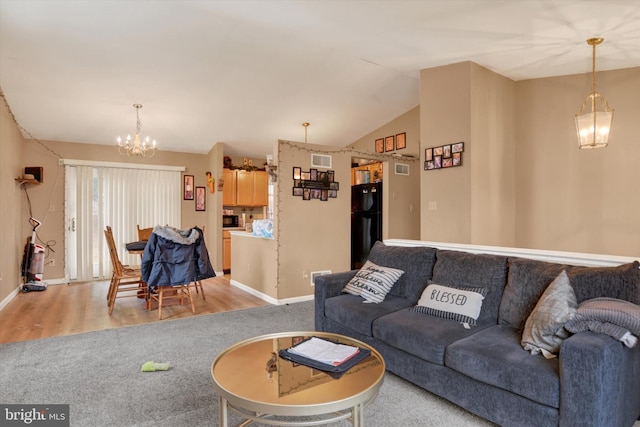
153,366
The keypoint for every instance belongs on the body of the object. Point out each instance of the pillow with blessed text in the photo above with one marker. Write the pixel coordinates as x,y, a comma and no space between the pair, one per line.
373,282
461,304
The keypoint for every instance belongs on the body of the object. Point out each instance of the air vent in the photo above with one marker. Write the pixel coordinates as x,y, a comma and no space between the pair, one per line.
322,161
315,274
402,169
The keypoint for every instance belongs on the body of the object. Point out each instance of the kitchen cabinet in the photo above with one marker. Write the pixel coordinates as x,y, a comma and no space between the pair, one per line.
226,251
229,188
251,188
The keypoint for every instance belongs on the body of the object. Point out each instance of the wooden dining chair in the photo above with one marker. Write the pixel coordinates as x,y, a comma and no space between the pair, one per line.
197,285
167,292
125,281
144,233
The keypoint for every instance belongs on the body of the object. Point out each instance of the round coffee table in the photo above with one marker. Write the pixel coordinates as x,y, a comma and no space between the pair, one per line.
253,381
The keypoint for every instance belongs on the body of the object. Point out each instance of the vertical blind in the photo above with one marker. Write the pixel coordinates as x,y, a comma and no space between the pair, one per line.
122,198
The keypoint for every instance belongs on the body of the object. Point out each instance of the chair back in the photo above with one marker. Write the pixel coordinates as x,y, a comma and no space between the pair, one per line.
118,270
144,233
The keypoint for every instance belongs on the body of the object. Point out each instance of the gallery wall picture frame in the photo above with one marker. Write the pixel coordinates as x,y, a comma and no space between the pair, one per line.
401,141
444,156
389,143
187,187
379,145
297,172
201,199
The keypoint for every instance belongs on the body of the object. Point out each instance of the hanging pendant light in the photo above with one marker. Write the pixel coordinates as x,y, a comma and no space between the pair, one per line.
136,147
306,126
593,120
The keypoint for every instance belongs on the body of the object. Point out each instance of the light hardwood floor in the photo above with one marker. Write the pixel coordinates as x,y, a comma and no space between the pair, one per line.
82,307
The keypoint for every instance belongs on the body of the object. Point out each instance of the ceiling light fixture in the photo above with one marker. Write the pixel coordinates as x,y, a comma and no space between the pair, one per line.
593,120
306,126
135,147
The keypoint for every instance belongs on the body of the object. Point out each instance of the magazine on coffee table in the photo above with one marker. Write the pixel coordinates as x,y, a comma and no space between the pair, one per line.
325,355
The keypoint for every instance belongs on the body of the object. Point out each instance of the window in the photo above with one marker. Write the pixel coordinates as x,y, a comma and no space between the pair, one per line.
99,194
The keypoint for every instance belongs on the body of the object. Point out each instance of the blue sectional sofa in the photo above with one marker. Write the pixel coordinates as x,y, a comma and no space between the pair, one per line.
594,380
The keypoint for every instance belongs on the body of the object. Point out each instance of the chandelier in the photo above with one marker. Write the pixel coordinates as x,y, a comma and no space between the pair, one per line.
593,120
135,147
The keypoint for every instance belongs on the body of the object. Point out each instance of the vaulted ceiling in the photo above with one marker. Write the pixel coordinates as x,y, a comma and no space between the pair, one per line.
247,73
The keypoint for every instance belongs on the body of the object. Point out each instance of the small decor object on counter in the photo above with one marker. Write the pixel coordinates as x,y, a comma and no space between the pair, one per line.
263,228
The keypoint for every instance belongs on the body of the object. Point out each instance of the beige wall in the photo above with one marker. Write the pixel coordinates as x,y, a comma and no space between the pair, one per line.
401,193
51,192
312,235
12,214
524,182
445,118
570,199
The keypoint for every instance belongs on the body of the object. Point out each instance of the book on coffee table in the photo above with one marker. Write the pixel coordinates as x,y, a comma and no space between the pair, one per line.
325,355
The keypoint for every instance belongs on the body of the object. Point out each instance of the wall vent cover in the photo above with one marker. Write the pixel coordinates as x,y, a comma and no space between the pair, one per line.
322,161
402,169
315,274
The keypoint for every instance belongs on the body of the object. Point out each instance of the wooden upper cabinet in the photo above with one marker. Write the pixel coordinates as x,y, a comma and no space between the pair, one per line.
249,188
229,188
244,182
260,188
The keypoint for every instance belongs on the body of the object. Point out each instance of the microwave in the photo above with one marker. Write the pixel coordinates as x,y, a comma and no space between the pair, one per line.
230,220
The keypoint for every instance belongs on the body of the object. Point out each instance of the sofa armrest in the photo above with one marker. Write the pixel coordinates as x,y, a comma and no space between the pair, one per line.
327,286
599,381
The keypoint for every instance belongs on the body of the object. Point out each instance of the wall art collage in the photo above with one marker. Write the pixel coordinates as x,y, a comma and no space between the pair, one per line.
315,184
444,156
391,143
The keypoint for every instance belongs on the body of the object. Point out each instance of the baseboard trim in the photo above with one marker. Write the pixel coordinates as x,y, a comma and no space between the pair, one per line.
269,298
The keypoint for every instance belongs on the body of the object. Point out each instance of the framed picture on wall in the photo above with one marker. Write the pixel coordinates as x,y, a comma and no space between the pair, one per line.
201,199
188,187
380,145
458,147
401,141
389,143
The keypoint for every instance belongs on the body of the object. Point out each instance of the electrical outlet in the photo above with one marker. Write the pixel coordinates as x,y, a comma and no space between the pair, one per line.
433,206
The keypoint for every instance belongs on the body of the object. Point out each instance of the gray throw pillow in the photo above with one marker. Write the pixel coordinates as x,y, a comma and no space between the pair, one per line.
544,329
373,282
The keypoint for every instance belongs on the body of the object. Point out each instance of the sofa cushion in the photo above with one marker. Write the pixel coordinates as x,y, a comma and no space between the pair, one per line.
620,282
416,262
373,282
460,304
349,311
494,356
462,269
526,281
426,337
544,329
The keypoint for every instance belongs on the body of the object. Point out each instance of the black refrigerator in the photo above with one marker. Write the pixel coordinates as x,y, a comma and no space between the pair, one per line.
366,221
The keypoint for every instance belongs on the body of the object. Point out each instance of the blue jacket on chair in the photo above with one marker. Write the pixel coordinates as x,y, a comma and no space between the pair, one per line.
175,257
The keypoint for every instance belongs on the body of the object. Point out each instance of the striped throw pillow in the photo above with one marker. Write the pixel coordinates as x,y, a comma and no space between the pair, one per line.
461,304
373,282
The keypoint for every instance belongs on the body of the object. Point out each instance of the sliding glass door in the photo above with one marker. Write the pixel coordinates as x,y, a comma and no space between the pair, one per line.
98,195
